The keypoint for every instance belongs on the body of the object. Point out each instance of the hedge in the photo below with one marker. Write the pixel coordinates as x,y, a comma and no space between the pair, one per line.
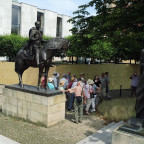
11,44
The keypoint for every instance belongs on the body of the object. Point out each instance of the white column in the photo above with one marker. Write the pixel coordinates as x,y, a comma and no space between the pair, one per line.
28,18
5,16
66,26
50,23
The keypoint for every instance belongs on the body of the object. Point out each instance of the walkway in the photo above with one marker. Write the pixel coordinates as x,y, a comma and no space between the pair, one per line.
65,132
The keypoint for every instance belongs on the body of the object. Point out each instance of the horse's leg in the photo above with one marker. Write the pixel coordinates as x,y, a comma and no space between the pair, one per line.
39,76
19,69
46,75
20,80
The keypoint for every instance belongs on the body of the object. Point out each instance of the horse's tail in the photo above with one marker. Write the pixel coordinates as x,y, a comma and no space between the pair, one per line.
16,66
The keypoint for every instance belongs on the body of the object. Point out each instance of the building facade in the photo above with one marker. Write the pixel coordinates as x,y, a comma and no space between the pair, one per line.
18,18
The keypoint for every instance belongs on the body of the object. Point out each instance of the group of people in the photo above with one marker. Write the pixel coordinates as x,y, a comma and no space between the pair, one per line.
82,95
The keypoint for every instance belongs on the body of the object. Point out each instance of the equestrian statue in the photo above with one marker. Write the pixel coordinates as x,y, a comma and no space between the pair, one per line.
35,54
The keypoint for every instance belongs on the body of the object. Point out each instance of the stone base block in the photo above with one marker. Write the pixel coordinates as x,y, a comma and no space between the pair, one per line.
47,108
121,137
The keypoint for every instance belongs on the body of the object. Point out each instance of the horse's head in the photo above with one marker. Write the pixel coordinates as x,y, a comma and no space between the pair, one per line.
59,44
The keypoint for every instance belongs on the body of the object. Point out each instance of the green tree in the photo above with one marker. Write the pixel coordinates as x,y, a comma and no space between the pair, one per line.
102,50
122,25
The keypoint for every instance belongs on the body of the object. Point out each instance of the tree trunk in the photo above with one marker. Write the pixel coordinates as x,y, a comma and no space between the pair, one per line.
100,61
85,60
77,60
72,60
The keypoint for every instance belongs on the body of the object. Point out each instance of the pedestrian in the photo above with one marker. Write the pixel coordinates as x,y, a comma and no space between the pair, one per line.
134,81
66,84
50,84
55,79
74,76
82,77
69,76
71,95
43,81
103,86
107,85
78,102
88,92
61,86
97,82
94,98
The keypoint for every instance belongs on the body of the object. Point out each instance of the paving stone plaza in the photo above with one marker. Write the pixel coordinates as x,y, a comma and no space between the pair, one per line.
66,132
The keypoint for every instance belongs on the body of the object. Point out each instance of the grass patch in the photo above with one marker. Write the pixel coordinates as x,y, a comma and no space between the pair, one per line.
117,109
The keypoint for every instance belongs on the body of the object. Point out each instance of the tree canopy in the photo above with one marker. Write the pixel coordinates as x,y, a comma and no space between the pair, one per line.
118,22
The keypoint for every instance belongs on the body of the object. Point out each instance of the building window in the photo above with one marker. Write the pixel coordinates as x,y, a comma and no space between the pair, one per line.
16,11
40,18
59,27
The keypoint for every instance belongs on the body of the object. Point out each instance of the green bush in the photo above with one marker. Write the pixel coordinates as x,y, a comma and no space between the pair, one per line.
117,109
11,44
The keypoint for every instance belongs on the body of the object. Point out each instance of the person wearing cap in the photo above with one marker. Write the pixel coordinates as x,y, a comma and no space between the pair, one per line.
66,84
55,79
50,84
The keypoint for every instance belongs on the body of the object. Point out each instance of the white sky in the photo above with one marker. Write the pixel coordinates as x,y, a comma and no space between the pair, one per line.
66,7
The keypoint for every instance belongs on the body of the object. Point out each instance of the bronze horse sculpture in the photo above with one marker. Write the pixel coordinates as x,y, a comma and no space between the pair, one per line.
23,61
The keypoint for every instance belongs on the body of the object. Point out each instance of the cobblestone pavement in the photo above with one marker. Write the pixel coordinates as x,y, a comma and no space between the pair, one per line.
66,132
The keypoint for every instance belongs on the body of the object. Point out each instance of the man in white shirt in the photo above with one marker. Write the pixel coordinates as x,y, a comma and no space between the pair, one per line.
65,86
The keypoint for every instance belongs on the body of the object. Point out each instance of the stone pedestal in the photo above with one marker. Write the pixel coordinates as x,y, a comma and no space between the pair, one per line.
1,96
121,137
43,107
131,132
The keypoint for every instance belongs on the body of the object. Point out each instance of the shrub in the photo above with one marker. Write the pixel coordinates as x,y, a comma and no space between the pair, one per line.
117,109
11,44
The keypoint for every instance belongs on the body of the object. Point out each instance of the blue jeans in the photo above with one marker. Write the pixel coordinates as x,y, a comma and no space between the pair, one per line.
72,95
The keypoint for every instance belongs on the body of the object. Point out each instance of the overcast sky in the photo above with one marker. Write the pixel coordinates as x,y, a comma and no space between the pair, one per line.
66,7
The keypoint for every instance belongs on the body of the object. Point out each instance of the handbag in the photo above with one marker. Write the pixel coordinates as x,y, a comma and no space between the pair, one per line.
91,94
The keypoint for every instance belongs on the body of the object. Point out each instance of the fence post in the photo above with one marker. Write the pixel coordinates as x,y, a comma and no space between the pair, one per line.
120,90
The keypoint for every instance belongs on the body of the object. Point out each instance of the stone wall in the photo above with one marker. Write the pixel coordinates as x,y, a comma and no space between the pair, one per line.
1,96
119,73
9,76
44,110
